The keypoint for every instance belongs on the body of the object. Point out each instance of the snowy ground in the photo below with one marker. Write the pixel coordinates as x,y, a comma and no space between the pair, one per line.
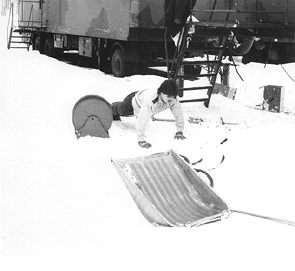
61,198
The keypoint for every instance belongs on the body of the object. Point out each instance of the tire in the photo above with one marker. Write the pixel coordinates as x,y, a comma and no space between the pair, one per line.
120,67
38,45
49,49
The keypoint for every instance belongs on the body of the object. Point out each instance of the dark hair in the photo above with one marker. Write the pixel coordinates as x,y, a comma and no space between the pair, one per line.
169,87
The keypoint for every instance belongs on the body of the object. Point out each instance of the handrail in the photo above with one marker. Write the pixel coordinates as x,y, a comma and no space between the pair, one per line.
9,25
31,12
31,15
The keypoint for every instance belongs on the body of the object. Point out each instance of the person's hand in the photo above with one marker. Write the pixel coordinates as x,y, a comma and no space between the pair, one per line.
179,135
144,144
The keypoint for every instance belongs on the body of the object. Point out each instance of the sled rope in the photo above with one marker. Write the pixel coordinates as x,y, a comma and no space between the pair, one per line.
283,221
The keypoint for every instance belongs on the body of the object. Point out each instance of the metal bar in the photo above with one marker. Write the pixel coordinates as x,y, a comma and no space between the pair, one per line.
11,25
262,11
236,8
24,1
283,221
166,120
227,24
197,88
214,5
22,9
31,11
217,10
31,14
241,11
194,100
257,5
30,21
229,8
286,12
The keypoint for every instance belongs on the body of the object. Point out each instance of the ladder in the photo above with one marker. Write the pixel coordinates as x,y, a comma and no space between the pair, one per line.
218,20
21,37
192,43
208,66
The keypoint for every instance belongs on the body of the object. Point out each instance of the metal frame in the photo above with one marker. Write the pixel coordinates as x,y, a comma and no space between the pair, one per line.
10,25
237,12
22,19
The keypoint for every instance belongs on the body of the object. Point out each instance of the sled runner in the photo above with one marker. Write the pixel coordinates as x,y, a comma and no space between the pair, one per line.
92,116
169,192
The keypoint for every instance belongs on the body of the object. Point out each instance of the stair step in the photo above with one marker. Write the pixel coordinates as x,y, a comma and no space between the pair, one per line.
25,42
195,76
22,30
18,47
26,28
24,37
216,24
196,88
196,49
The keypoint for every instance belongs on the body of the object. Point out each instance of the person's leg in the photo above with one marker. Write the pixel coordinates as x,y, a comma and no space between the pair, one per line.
124,108
114,107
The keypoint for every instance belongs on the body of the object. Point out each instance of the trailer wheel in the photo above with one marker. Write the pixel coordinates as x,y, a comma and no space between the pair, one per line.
120,67
38,45
49,49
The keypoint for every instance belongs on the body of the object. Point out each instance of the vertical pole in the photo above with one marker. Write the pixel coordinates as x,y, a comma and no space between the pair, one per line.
257,8
286,12
214,5
236,8
225,75
23,11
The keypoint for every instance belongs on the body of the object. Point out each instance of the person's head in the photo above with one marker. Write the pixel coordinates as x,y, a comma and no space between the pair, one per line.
168,90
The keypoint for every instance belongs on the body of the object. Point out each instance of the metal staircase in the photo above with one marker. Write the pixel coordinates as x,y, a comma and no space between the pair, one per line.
216,21
209,67
20,30
200,72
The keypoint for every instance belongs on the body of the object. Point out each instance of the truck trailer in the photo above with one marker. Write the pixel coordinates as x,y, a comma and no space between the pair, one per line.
119,34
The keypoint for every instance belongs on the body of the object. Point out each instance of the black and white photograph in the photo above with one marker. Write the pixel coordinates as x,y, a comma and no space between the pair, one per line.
147,135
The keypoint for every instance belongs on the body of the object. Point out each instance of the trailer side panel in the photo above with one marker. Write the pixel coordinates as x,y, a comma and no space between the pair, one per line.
94,18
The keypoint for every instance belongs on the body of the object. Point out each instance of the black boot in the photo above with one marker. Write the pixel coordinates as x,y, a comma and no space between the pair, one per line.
114,107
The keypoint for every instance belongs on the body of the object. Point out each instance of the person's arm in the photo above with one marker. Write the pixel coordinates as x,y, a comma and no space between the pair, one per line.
179,118
143,118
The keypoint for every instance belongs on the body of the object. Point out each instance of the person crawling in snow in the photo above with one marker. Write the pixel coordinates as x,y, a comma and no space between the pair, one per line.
144,104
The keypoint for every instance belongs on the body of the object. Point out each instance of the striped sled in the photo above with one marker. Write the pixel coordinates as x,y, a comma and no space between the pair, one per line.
169,192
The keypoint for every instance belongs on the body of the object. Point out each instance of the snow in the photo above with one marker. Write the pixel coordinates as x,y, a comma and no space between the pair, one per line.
64,206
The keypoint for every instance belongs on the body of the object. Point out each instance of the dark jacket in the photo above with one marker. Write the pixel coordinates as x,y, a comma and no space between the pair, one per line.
176,9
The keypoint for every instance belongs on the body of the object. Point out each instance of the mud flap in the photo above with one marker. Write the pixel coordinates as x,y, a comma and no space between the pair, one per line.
92,116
